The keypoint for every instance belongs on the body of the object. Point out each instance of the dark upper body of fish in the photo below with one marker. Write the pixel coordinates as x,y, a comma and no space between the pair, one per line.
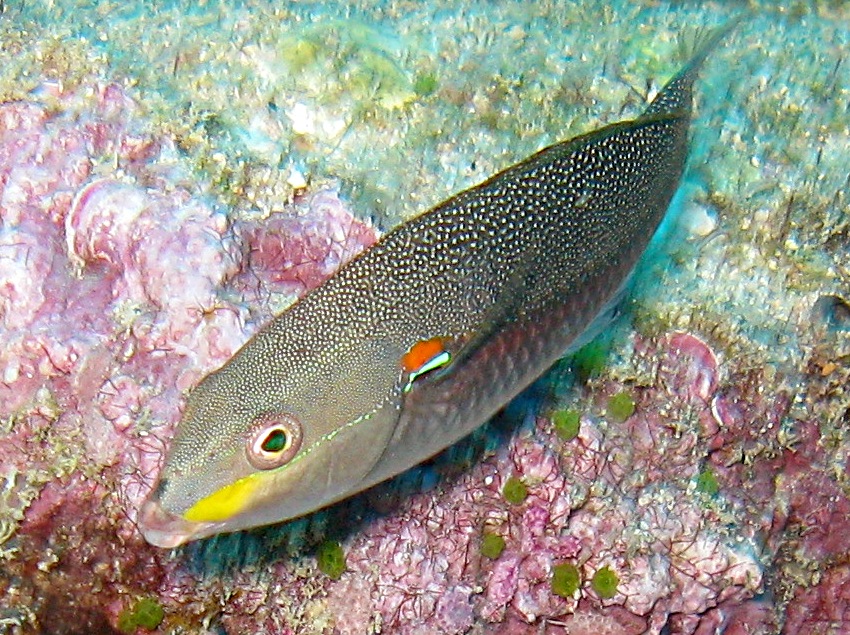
426,335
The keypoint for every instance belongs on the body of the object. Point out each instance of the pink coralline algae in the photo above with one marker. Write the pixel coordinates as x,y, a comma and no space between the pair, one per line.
624,496
823,608
118,291
602,500
717,507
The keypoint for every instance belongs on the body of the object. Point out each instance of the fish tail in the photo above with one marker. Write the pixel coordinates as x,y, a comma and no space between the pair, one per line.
675,97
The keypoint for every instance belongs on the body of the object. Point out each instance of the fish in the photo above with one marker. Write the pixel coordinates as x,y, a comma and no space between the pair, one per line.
424,336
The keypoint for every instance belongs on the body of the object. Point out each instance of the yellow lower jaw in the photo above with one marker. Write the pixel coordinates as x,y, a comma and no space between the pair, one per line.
225,503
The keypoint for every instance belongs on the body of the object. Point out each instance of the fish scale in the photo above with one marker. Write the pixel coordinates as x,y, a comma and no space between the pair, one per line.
499,281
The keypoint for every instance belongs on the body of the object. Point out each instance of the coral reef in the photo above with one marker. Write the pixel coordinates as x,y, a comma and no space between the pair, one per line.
688,473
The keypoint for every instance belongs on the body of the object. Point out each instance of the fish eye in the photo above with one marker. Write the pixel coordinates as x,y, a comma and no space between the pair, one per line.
274,440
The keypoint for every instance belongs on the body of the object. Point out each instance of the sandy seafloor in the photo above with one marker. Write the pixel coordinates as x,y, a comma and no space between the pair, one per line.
173,175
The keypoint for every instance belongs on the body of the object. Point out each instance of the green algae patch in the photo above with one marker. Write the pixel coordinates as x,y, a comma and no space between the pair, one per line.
566,579
492,545
707,482
605,582
514,491
589,360
354,57
300,53
146,614
620,406
425,84
331,559
567,424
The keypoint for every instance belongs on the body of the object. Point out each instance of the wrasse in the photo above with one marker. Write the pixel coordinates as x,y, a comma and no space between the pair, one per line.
426,335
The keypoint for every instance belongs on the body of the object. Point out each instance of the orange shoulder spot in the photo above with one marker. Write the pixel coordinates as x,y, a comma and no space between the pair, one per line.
421,353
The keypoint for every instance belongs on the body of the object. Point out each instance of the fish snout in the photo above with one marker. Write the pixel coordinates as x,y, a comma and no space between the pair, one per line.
164,529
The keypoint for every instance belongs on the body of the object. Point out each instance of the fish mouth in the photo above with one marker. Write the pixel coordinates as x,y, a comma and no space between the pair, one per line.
163,529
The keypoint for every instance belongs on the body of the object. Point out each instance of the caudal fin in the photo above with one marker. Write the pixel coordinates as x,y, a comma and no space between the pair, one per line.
676,96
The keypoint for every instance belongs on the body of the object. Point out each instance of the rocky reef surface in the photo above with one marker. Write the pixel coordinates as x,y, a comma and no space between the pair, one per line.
170,180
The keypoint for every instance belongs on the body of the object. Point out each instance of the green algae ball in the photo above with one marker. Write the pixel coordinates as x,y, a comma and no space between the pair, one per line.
126,621
605,583
566,579
425,84
589,360
331,559
567,424
621,406
707,482
147,614
300,54
514,491
492,545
